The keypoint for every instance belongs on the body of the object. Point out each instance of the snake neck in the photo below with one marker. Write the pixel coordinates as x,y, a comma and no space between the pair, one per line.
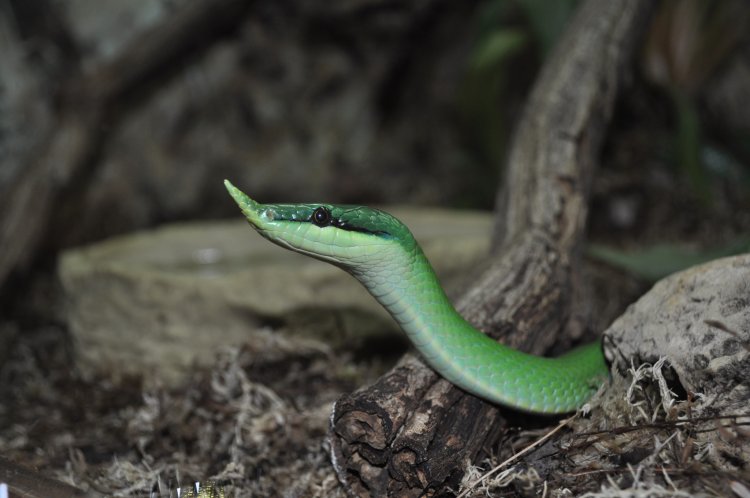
403,281
409,290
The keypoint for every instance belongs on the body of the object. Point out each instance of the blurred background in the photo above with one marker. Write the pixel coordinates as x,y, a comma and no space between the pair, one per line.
128,115
117,116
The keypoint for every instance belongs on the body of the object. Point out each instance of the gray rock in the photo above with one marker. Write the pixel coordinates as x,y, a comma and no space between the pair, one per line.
158,302
699,319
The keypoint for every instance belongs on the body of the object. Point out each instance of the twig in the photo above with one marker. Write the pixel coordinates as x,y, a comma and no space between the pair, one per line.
516,456
722,326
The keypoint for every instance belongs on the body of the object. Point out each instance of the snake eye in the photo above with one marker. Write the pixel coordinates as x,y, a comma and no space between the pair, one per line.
321,217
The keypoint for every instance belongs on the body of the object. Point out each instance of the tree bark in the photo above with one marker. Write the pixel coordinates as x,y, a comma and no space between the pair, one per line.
413,433
62,159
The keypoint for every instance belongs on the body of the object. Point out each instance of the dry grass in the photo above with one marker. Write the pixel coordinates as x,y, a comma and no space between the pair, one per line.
640,441
255,423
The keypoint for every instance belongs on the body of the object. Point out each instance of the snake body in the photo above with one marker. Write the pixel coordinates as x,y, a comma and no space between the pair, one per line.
382,254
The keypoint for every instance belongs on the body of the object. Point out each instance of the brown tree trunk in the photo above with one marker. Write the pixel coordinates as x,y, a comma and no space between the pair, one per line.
412,432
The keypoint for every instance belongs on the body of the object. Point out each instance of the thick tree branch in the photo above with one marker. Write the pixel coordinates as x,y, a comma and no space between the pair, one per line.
412,431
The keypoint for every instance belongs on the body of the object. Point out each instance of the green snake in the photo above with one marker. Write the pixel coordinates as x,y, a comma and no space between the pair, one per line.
382,254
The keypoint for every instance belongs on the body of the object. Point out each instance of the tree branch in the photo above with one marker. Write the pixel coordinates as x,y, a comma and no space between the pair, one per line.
412,431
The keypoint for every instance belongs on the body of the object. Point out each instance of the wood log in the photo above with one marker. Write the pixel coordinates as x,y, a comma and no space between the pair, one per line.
412,433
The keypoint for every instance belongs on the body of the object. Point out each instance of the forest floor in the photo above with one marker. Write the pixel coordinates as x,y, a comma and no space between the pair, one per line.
256,422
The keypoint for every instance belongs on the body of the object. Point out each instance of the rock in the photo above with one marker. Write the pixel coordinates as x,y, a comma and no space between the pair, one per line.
158,302
699,319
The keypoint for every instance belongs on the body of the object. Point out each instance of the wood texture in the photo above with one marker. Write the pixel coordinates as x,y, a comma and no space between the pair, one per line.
412,433
63,157
27,483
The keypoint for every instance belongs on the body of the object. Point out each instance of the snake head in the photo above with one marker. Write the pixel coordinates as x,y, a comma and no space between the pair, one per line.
355,238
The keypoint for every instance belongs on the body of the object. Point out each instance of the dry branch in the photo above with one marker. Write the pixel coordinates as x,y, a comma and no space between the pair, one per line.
412,431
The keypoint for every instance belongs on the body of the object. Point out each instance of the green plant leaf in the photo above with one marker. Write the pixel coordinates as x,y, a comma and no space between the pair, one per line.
497,47
656,262
688,144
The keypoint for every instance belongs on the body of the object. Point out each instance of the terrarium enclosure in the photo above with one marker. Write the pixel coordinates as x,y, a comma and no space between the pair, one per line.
572,169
